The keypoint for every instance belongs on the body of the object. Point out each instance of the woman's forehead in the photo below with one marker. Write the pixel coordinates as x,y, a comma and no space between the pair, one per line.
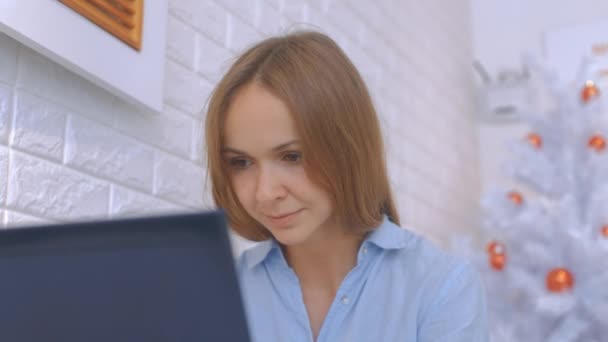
257,119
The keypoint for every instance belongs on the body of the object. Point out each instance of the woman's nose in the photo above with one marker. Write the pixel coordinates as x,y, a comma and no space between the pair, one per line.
269,184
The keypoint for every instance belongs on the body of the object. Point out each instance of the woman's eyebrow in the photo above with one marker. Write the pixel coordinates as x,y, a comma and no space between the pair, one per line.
232,150
287,144
228,149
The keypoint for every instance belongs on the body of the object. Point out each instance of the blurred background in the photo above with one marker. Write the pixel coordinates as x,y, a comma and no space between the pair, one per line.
70,149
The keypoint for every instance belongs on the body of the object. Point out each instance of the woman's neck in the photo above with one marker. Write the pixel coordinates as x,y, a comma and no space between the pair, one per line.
325,260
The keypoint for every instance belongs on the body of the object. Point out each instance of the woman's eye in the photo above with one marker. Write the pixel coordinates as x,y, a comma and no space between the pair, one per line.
292,157
239,163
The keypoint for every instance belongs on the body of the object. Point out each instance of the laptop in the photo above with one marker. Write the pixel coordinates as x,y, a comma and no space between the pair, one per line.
166,278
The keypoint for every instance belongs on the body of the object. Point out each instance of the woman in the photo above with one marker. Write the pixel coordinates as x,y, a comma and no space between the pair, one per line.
296,160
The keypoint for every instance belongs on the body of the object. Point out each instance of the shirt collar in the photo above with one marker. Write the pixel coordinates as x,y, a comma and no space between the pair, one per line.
387,235
259,252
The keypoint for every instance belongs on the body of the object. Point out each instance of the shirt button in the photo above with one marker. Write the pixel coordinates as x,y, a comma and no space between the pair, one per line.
364,250
345,300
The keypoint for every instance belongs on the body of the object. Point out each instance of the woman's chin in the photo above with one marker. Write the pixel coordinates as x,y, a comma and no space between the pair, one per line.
291,237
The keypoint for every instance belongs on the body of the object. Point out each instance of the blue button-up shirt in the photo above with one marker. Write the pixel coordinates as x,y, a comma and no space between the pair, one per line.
402,289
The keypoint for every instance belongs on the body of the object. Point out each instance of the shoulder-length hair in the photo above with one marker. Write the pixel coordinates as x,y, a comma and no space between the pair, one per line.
338,126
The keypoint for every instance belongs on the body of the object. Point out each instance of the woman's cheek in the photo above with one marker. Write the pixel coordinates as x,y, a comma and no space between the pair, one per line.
244,186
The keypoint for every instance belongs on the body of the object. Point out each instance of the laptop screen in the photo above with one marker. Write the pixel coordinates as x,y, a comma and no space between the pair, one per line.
167,278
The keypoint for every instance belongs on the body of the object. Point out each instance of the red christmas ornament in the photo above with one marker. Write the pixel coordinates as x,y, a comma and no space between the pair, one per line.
516,197
496,255
496,248
559,280
597,143
605,231
590,91
497,261
535,140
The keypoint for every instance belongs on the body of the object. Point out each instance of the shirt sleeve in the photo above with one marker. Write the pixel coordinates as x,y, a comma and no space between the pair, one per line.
459,312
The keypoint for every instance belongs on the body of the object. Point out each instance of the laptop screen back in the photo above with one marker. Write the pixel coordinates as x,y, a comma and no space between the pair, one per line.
166,278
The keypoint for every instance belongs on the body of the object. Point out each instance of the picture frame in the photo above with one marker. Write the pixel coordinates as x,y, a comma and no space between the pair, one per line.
79,44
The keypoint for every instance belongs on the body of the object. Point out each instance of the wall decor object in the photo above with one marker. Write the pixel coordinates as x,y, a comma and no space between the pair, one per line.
121,18
99,40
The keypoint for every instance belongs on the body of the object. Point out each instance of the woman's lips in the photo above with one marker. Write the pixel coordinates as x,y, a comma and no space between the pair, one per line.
285,219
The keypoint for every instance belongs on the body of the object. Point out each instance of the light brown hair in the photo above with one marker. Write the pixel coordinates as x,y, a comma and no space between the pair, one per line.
338,126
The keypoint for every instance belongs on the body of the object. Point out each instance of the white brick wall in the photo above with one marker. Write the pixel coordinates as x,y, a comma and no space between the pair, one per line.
3,173
50,190
6,99
100,150
70,150
38,127
128,202
8,56
14,218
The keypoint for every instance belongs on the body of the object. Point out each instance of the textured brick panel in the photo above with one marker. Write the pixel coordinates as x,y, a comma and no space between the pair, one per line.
39,127
240,35
180,42
185,90
205,15
179,180
100,150
9,50
294,10
6,96
213,59
126,202
3,173
52,191
267,19
276,4
245,10
198,143
49,80
169,130
17,219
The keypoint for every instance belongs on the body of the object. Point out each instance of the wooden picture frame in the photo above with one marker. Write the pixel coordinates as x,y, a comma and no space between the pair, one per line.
79,44
121,18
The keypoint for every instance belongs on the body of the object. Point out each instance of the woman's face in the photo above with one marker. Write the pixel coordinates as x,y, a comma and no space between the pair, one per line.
263,155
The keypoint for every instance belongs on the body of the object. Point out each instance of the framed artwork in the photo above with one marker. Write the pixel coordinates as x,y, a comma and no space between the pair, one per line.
117,44
121,18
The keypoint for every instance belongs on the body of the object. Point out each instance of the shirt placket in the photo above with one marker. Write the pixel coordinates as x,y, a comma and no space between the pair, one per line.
345,298
292,294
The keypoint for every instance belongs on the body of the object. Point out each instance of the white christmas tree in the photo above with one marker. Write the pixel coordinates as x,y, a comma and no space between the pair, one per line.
545,257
